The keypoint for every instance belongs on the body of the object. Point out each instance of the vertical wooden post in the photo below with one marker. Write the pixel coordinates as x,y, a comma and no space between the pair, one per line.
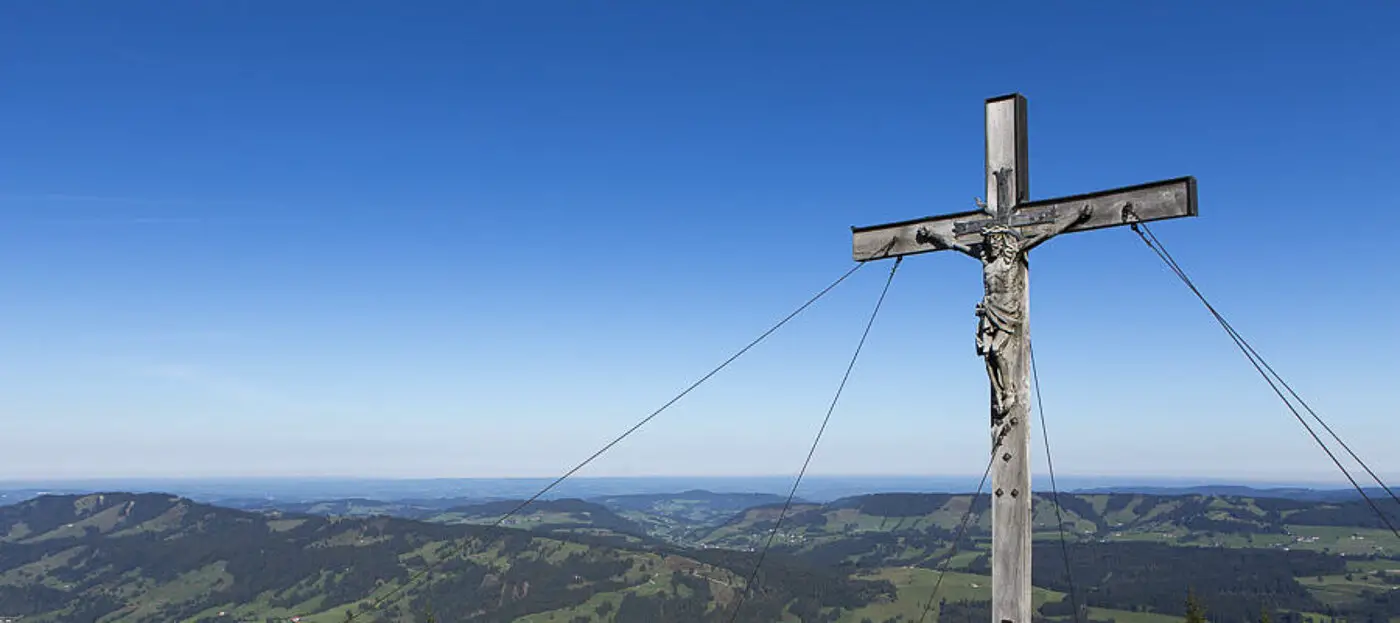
1011,478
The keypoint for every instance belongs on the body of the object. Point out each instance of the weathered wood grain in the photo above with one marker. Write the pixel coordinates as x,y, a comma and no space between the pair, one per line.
1007,150
1011,513
874,243
1153,201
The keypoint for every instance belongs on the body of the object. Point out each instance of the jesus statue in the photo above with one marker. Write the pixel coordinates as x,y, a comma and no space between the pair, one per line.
1002,251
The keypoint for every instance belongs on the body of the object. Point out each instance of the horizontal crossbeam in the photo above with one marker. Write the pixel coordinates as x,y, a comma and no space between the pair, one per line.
1153,201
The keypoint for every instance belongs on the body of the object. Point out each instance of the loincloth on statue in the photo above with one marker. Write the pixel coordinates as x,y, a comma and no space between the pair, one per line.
996,328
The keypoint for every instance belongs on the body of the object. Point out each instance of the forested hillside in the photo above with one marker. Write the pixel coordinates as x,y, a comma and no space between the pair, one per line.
123,557
120,557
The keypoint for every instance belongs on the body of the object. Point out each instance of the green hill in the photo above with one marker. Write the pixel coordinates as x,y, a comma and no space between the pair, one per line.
549,515
126,558
899,529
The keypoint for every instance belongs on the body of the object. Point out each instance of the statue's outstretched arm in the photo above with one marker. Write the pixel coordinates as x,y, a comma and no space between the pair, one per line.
928,236
1083,215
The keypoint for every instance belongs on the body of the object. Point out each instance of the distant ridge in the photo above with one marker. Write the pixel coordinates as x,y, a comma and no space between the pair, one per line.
1287,493
717,500
576,514
442,493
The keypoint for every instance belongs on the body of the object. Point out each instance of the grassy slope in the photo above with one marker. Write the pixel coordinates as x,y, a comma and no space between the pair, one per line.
915,586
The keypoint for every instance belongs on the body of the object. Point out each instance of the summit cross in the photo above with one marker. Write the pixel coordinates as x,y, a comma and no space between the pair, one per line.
1000,234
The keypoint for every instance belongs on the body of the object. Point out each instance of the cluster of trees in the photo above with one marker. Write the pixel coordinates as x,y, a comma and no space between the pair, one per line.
1193,609
689,600
51,512
527,585
31,599
897,504
1196,612
974,611
1351,514
583,514
866,550
784,575
258,559
1192,511
1233,584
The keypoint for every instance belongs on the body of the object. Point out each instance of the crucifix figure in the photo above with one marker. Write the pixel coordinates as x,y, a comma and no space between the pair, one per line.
1001,234
1003,251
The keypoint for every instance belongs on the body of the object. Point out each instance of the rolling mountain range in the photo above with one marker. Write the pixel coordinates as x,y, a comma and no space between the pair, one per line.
152,557
682,557
443,492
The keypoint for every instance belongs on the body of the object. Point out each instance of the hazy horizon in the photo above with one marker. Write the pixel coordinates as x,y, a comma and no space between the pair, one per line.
1039,480
815,488
1038,475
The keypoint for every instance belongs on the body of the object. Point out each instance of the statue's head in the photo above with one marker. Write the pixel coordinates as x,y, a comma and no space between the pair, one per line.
1002,241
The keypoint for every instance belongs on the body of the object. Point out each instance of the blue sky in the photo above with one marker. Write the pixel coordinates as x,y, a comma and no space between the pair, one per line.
482,238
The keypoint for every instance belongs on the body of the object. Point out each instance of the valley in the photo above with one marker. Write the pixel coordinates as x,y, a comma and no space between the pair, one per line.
1133,557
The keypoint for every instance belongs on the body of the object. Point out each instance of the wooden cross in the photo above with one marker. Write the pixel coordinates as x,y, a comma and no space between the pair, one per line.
1000,234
